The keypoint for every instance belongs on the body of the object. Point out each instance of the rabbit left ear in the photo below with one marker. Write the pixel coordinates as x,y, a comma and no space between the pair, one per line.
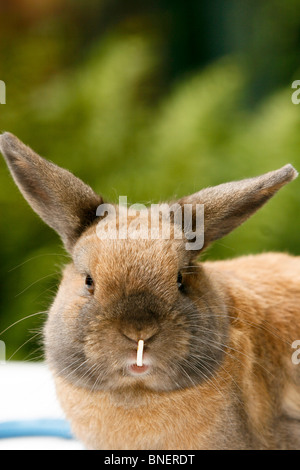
228,205
63,201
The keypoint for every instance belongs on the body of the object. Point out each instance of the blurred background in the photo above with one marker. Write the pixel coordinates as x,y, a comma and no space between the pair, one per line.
146,99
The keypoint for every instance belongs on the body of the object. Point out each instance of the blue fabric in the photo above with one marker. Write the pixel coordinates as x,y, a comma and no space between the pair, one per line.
40,427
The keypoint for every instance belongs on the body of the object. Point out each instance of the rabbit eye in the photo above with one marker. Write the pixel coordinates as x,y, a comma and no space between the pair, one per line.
179,281
89,284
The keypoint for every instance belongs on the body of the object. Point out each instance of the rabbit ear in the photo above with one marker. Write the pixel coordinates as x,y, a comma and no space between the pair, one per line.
63,201
228,205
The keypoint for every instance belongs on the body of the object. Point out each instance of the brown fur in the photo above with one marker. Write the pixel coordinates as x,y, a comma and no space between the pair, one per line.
220,345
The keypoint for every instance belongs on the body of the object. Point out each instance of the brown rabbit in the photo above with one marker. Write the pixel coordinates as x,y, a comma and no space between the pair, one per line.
217,369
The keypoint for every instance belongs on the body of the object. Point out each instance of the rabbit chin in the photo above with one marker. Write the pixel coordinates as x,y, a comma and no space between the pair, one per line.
132,385
124,384
124,379
128,383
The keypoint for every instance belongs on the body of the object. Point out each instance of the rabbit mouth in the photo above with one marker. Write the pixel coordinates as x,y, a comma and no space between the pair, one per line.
136,370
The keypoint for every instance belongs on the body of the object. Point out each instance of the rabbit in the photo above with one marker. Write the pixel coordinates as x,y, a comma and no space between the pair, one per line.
216,336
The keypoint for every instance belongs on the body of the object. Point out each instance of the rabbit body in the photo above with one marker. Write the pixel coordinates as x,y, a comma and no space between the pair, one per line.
252,401
218,337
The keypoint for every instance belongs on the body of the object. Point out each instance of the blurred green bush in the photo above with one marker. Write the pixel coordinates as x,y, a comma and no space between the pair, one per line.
121,119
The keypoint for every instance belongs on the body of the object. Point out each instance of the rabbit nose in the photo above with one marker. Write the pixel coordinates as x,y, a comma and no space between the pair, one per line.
134,335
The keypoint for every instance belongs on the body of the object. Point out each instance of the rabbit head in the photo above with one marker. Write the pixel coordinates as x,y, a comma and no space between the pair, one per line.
145,286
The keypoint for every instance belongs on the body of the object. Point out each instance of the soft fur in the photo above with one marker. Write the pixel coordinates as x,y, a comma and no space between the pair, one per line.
218,337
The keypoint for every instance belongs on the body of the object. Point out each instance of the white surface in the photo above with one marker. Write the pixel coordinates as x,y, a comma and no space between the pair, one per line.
39,443
27,392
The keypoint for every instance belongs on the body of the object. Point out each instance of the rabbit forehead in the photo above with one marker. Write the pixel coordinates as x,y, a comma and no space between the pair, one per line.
146,255
138,222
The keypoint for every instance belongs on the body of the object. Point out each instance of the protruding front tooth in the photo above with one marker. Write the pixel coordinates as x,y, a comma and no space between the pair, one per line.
139,355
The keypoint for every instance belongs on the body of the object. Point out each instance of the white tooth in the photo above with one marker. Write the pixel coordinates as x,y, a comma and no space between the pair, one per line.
139,356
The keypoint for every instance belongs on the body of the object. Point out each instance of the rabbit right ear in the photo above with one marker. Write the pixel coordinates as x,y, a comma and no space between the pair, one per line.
229,205
63,201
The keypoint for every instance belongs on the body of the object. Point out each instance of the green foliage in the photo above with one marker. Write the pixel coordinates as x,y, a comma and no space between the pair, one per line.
110,118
